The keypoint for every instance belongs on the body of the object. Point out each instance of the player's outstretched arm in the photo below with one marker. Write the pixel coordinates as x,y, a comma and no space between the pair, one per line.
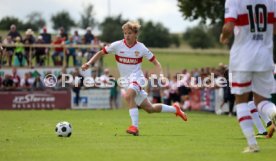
227,32
158,66
96,57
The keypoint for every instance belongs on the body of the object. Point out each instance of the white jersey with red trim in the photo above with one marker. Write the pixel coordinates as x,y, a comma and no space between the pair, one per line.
253,45
129,58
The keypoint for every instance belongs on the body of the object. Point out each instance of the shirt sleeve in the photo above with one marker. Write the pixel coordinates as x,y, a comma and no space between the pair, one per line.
274,10
148,54
111,48
230,14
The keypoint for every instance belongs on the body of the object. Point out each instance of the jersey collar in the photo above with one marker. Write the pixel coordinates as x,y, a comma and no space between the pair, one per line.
128,45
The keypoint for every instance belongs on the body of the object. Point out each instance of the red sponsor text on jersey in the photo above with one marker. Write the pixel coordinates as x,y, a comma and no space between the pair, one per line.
127,60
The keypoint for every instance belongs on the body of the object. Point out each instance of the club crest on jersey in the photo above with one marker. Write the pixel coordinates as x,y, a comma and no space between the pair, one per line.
137,53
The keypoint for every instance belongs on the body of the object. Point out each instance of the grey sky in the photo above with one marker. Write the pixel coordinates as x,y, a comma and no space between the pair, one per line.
164,11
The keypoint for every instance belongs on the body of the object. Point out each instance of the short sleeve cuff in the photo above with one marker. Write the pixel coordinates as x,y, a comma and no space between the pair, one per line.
152,59
104,50
230,19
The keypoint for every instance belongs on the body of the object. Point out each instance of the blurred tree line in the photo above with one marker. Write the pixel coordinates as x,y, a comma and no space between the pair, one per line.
211,16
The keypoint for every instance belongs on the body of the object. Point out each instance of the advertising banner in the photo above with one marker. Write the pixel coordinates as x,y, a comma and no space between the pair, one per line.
44,99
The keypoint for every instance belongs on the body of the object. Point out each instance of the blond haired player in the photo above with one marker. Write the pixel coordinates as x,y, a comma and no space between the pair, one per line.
251,59
129,54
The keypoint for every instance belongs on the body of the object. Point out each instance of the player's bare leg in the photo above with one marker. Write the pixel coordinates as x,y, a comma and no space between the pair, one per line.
157,108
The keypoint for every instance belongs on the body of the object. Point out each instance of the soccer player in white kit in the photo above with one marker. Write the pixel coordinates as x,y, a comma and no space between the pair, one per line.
129,54
251,59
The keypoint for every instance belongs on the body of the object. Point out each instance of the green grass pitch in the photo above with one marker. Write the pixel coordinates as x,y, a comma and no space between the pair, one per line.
99,135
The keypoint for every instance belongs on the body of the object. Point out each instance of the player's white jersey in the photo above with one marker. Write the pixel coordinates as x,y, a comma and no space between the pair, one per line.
129,58
253,45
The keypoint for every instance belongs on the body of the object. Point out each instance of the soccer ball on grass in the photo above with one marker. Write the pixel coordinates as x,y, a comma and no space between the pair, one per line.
63,129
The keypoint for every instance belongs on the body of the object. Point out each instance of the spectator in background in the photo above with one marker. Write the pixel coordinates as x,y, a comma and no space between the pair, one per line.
15,77
105,77
8,52
76,88
28,40
113,93
63,34
76,37
88,36
14,33
46,37
58,51
37,84
174,95
165,93
154,90
19,50
27,81
40,52
96,46
1,80
227,95
7,82
71,50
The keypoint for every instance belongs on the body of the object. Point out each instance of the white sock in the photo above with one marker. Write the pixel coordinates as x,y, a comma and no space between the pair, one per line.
256,118
134,115
167,108
246,123
267,108
265,118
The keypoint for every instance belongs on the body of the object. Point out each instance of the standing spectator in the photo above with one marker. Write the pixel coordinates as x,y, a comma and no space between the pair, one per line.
58,51
227,95
113,93
47,38
15,77
19,50
14,33
71,50
76,88
88,36
40,52
8,50
28,40
63,34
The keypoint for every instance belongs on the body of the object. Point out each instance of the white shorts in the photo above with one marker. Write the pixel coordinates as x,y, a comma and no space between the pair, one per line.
141,95
257,82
